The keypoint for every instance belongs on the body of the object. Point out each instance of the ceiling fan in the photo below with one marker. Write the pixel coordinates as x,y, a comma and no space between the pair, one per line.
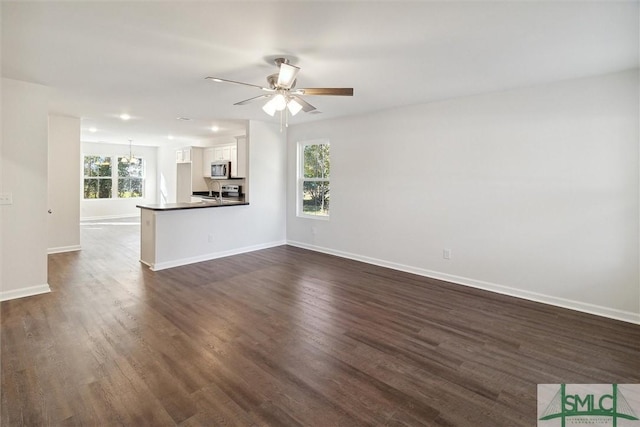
282,93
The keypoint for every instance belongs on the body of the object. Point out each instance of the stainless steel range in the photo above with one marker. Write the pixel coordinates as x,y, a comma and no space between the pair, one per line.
231,190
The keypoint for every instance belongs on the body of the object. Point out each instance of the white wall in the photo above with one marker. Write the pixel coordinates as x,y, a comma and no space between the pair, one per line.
535,191
221,140
63,225
120,208
24,175
267,165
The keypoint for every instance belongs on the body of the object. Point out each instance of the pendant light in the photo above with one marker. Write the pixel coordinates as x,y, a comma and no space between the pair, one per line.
131,159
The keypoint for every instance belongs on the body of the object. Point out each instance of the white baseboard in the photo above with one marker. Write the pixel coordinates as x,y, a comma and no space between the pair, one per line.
96,218
625,316
24,292
62,249
207,257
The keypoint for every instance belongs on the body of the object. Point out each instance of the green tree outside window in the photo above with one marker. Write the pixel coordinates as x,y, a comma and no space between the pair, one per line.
130,177
97,177
100,181
315,180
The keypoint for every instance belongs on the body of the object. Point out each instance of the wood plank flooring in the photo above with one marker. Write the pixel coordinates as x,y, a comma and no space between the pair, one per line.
285,337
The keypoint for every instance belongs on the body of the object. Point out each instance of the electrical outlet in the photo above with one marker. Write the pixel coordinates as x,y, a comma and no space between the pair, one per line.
210,238
446,253
6,199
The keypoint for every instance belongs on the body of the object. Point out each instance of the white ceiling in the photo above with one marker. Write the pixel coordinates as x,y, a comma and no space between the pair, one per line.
149,59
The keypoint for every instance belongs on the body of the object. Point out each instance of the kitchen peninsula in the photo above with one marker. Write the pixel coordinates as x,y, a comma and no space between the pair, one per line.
175,234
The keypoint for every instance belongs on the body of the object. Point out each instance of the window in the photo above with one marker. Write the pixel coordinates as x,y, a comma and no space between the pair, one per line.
313,179
130,177
102,181
97,177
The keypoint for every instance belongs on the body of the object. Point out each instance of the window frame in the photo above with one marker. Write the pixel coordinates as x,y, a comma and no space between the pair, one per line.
300,178
114,178
98,177
129,178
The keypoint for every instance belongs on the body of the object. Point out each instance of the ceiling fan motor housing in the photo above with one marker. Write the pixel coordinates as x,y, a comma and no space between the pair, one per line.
279,61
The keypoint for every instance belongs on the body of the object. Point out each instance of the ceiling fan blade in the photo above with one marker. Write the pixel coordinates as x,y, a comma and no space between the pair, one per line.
218,79
306,107
337,91
287,75
247,101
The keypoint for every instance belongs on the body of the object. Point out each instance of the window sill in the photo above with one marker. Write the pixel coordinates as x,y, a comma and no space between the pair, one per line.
317,217
115,198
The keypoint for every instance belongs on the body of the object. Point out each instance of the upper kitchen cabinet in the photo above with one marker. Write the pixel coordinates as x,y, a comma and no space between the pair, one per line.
183,155
208,156
222,153
241,157
235,153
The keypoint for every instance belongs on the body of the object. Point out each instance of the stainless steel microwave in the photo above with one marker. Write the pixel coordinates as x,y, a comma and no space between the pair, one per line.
220,169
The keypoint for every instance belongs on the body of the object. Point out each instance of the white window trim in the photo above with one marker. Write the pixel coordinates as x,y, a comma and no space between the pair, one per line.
117,178
114,178
300,179
85,177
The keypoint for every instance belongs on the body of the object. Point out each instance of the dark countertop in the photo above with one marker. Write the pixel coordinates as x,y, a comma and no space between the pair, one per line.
215,193
209,203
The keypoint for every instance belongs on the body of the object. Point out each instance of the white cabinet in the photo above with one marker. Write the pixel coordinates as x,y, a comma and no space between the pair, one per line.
183,155
183,182
235,153
208,156
222,152
197,181
241,157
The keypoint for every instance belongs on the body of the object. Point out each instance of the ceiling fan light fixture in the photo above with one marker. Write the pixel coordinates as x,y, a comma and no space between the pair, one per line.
269,108
294,107
279,102
287,75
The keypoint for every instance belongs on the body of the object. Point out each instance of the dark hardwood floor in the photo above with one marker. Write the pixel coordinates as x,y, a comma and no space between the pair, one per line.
285,337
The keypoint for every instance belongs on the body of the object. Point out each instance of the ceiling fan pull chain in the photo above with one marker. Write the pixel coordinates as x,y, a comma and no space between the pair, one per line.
281,120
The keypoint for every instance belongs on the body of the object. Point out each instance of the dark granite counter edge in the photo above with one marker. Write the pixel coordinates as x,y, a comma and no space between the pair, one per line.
194,205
